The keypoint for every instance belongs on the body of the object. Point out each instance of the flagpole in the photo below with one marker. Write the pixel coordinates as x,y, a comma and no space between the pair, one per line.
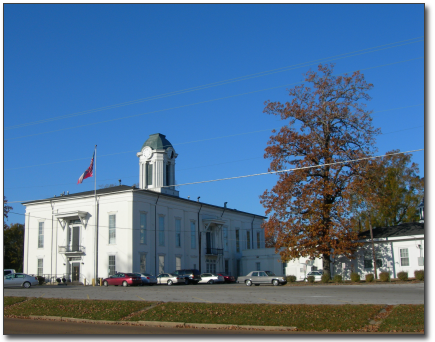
96,219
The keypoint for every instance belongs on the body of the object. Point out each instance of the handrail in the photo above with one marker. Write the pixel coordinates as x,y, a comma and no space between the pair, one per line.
71,249
214,251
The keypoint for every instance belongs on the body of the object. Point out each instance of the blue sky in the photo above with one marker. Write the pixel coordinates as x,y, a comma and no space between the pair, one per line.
112,71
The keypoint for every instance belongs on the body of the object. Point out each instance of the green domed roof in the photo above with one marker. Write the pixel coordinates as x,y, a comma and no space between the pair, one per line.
157,141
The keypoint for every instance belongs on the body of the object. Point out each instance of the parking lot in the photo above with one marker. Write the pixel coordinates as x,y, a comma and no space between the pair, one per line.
238,293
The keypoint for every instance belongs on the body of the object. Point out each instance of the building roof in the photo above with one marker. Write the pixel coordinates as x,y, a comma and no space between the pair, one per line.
120,188
403,229
157,141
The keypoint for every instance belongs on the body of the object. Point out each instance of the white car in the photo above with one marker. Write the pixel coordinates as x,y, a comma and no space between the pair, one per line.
169,279
316,274
20,279
210,278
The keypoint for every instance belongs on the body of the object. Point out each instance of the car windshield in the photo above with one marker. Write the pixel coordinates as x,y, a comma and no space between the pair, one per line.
269,273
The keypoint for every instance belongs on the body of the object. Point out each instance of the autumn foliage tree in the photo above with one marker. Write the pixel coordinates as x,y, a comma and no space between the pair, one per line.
395,190
327,127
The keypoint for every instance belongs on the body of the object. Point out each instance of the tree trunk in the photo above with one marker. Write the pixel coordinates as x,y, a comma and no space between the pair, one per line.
326,263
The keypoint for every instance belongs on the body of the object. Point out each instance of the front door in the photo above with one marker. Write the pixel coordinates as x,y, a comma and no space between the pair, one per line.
75,276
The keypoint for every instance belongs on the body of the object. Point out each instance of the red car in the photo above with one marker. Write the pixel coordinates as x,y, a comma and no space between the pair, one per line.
227,278
124,279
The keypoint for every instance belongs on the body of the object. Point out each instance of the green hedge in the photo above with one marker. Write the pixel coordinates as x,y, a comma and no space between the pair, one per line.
402,275
310,279
291,279
419,275
325,277
384,276
355,277
370,277
338,278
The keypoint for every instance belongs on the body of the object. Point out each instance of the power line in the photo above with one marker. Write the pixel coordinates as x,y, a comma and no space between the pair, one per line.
232,80
190,142
280,171
192,104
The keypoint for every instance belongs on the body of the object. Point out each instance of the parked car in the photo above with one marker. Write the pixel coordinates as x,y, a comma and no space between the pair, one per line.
124,279
20,279
316,274
169,279
147,279
8,271
227,278
191,276
211,278
262,277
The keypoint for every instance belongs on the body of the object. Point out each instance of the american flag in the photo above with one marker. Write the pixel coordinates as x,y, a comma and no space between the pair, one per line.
89,172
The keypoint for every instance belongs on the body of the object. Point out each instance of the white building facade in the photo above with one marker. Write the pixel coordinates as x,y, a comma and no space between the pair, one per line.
128,229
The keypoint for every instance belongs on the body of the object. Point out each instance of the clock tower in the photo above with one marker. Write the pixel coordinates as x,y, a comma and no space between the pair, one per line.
157,165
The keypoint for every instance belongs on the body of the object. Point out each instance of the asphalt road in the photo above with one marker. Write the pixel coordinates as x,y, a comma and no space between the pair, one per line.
391,294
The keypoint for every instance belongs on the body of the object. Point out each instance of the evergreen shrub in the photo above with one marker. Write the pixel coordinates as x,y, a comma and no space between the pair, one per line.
355,277
338,278
385,276
419,274
370,277
402,275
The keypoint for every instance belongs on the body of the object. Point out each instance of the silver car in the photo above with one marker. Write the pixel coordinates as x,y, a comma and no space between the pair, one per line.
20,279
147,279
169,279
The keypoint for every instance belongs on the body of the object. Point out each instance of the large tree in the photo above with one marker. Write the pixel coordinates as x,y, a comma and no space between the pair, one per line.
13,246
395,190
327,127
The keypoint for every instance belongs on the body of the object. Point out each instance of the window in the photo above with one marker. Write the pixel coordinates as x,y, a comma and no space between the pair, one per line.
284,265
177,233
40,267
112,229
258,240
41,235
257,266
248,239
168,177
149,174
143,263
192,235
237,241
368,261
210,265
404,257
161,230
111,265
161,263
226,239
227,266
378,263
178,263
143,228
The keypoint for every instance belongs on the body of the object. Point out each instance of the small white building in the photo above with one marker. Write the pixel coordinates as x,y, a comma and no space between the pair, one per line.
127,229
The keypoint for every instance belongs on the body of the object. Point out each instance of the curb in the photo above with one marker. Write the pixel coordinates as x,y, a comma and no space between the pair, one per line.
166,324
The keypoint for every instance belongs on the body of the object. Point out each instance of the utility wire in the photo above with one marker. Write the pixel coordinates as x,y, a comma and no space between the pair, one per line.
232,80
274,172
193,141
191,104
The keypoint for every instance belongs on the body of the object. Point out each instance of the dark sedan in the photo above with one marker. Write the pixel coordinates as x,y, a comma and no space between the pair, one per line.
124,279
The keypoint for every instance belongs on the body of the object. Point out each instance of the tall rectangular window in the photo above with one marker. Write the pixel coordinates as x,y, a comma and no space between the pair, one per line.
168,175
161,231
248,239
143,228
149,174
404,257
143,263
41,235
192,235
40,267
257,266
226,239
112,229
258,240
177,263
227,266
161,263
368,261
112,265
177,233
237,241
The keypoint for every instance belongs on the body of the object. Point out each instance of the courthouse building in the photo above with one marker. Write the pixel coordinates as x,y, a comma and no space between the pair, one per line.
128,229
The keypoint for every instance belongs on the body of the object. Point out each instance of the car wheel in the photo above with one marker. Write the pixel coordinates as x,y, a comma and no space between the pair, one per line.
275,282
186,281
124,283
248,283
26,285
105,283
170,282
211,281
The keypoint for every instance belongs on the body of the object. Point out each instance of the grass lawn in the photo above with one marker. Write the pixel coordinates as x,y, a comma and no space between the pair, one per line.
12,300
304,317
112,310
404,318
